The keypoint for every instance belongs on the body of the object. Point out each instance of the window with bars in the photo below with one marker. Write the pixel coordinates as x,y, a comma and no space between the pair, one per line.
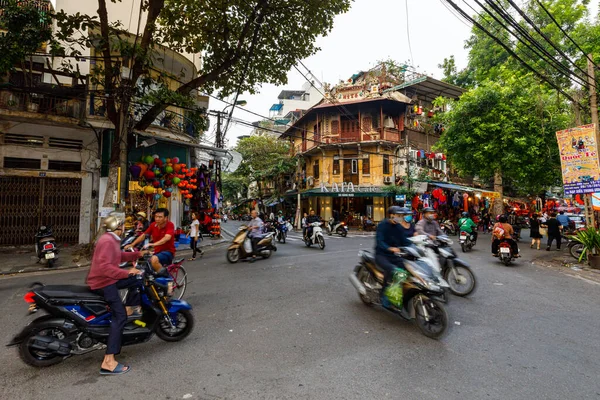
336,167
335,127
386,164
367,123
366,166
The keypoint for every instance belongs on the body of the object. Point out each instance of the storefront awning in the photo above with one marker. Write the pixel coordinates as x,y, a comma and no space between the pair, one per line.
451,186
371,192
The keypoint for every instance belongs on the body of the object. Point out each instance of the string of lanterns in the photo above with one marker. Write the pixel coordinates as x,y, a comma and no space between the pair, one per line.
155,173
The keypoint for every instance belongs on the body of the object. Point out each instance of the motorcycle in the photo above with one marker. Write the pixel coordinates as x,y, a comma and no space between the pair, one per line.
45,245
467,241
78,320
456,272
316,237
505,252
448,227
241,248
339,228
423,291
281,231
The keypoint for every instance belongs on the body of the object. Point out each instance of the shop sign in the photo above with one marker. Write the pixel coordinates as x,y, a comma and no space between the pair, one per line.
579,159
347,188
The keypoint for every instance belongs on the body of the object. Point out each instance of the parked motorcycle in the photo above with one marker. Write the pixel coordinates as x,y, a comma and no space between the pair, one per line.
448,227
241,247
467,241
422,292
316,237
45,246
442,256
78,320
338,227
281,231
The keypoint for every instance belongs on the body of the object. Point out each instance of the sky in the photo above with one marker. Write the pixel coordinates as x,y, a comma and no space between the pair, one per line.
373,30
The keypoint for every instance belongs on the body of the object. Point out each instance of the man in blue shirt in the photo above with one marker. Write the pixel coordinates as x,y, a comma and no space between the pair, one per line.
564,220
389,238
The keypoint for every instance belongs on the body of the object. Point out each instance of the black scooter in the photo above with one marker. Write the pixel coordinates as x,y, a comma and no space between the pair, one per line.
45,245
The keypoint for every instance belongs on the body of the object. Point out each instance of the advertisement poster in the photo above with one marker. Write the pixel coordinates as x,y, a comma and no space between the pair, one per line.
579,159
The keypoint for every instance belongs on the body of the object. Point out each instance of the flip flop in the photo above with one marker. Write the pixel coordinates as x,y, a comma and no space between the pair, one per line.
119,369
191,259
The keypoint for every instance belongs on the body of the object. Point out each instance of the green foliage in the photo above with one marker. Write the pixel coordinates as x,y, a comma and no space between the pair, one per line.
27,28
506,127
233,186
453,76
265,158
590,238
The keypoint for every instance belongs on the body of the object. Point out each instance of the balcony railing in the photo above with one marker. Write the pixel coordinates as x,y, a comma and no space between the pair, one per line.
64,102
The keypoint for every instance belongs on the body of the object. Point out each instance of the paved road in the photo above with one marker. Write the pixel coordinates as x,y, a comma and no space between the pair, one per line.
292,327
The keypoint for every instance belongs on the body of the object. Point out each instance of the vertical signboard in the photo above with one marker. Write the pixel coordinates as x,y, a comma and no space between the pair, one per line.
579,159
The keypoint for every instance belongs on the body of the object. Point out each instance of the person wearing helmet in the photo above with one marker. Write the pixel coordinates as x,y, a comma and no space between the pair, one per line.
142,222
428,225
106,278
406,222
466,224
389,238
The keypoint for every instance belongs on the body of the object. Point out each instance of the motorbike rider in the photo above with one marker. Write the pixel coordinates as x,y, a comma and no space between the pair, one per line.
502,225
428,225
142,222
255,227
162,233
466,224
389,238
406,222
312,218
106,278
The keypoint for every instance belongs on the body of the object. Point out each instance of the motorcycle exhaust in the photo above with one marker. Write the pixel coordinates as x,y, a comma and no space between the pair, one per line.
46,343
358,285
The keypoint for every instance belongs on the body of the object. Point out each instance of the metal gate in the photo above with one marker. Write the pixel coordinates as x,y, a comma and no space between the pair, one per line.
28,202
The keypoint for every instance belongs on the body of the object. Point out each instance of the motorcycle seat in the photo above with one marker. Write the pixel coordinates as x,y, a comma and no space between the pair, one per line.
47,239
71,291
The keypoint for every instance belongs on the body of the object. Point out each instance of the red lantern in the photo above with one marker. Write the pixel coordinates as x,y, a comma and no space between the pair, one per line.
156,184
167,194
149,175
168,183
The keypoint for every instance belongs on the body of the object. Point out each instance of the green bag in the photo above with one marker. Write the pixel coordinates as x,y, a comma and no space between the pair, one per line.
394,291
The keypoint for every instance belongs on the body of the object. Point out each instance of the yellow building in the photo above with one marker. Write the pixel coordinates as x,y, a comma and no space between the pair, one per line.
347,147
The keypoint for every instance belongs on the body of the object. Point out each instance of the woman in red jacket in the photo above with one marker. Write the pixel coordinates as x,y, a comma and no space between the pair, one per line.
106,278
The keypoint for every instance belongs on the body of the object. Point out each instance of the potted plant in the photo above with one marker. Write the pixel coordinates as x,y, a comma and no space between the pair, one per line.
590,239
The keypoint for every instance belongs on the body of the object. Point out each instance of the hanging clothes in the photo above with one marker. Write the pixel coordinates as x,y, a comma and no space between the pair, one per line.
456,200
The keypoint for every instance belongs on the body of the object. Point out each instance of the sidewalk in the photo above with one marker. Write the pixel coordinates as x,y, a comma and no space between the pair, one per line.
22,259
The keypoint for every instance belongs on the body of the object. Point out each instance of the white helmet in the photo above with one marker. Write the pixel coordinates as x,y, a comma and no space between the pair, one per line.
114,221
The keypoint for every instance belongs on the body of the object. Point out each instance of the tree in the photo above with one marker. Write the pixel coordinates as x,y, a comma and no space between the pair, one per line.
265,158
233,186
243,44
505,131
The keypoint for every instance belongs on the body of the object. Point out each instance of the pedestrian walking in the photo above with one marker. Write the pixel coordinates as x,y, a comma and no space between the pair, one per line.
536,236
554,231
195,237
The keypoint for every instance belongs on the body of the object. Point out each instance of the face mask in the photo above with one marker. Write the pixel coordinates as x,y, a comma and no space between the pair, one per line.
397,220
408,218
429,217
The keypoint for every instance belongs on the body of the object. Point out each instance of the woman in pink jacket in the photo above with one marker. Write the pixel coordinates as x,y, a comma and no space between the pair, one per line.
106,278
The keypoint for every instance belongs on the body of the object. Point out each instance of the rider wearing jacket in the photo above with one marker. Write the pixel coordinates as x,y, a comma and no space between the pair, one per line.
312,218
466,224
428,225
390,237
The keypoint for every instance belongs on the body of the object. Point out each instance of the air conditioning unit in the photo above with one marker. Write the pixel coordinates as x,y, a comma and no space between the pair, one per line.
387,179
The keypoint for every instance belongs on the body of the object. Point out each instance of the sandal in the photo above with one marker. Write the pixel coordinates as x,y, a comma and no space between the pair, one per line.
191,259
119,369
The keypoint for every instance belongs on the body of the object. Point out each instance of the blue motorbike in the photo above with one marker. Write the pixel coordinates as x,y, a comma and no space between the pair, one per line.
78,320
282,231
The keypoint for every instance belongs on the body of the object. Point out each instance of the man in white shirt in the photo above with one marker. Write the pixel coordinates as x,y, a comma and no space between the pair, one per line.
256,228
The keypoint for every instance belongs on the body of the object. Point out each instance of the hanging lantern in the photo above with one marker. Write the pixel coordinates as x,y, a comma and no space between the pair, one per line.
176,181
149,160
156,184
167,194
157,196
148,190
168,183
149,175
158,162
168,169
175,160
135,171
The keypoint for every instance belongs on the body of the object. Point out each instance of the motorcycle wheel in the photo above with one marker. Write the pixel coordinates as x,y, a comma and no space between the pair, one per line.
506,261
364,277
40,358
307,242
462,246
51,263
437,325
342,232
461,280
321,241
575,250
233,255
184,324
266,254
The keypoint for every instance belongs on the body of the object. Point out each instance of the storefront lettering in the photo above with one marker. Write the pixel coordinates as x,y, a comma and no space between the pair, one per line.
347,187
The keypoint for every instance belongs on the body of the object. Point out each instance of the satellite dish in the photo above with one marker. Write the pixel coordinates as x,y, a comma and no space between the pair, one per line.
234,159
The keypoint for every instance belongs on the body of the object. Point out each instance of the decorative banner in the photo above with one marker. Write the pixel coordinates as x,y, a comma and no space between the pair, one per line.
579,159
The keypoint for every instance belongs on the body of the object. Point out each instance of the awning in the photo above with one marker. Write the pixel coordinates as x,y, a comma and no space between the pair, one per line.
356,193
276,107
449,186
462,188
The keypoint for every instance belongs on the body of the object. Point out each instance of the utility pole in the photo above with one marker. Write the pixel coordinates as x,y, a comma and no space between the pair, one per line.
589,210
219,143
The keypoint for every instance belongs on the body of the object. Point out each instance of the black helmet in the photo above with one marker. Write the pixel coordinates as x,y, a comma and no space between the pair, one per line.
405,211
395,210
465,214
428,210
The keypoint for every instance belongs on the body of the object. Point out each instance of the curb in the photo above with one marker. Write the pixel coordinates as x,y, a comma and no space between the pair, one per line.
209,245
581,272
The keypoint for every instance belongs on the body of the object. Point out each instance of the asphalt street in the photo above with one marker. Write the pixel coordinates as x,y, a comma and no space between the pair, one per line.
293,327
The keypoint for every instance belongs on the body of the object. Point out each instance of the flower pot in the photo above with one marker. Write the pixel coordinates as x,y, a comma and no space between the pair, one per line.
594,261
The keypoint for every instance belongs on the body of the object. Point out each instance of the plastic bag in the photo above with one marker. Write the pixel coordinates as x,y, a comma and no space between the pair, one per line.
394,291
248,245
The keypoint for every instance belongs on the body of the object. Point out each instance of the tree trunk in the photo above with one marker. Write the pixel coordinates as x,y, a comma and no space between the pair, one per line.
498,203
